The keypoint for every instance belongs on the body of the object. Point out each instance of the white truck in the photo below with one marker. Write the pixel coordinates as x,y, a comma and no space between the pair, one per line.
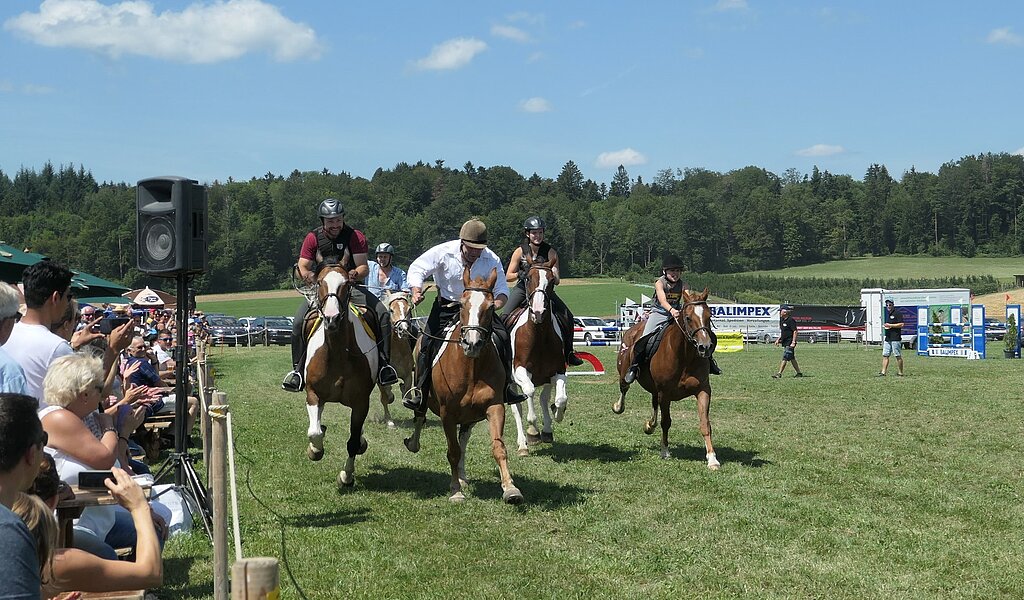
906,301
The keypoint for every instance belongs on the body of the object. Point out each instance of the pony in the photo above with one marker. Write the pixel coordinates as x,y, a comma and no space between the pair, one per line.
341,365
468,387
537,358
679,369
400,305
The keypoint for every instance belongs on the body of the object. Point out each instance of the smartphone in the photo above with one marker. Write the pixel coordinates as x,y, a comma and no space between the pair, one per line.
109,324
93,480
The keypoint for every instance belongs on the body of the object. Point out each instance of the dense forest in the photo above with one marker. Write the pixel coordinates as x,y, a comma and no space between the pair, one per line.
718,223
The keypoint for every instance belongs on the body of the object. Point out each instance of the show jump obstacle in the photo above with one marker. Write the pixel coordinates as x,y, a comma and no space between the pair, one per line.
961,338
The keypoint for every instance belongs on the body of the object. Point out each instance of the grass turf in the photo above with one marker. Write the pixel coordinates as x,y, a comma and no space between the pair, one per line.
840,484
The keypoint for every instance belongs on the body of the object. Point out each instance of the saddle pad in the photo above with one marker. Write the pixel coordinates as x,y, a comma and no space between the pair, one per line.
359,315
511,317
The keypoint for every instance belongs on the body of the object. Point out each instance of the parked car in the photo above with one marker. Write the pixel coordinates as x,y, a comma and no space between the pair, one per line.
589,329
994,330
226,331
766,335
277,331
814,336
254,329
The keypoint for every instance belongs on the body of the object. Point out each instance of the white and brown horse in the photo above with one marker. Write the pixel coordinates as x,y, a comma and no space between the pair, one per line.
400,306
468,387
341,363
537,358
679,368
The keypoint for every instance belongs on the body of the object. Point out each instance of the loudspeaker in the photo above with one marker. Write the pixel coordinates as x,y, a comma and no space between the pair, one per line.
171,226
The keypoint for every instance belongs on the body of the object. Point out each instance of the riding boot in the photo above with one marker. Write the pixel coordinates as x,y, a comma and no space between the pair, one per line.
513,393
715,370
387,374
638,358
416,399
570,354
293,381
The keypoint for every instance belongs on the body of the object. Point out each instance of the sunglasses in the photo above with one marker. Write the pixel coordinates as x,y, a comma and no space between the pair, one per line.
166,339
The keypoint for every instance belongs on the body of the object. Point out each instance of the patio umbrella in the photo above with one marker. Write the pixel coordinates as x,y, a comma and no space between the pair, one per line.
150,298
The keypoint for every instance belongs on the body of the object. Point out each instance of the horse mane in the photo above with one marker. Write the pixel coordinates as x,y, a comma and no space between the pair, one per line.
325,263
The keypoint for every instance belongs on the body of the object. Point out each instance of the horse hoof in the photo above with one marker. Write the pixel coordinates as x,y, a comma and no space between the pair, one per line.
713,463
411,446
512,496
457,497
665,455
533,439
391,425
559,413
363,445
314,454
547,437
649,428
345,480
523,452
619,407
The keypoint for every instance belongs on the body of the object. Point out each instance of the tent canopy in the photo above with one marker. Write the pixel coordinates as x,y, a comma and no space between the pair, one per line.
149,297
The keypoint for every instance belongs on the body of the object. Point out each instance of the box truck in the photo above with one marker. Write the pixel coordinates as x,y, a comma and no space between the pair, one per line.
907,301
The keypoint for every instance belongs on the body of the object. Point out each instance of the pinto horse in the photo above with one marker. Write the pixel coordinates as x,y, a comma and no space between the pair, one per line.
679,369
341,362
468,387
537,357
400,306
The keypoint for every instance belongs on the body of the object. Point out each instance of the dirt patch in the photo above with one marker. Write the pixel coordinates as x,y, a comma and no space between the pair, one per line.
995,304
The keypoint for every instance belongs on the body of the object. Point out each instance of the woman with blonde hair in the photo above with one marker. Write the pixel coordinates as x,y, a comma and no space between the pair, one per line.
66,569
82,438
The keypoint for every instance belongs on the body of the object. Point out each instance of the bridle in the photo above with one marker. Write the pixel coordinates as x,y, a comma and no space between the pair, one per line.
691,336
395,297
343,300
546,291
484,331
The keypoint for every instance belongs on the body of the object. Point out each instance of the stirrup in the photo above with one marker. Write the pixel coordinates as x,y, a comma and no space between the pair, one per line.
293,382
631,374
387,375
413,400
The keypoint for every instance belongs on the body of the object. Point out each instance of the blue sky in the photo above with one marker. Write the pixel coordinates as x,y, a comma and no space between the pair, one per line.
218,89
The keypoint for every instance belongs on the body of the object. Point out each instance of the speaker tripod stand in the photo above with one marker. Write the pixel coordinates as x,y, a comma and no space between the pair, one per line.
186,480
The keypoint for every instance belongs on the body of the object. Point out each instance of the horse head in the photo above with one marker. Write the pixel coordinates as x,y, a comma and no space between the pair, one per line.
539,285
477,312
400,306
695,321
333,293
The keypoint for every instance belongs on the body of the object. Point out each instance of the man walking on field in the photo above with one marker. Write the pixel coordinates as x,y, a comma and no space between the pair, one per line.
893,326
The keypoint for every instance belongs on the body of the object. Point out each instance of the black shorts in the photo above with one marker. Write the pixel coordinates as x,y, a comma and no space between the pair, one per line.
789,353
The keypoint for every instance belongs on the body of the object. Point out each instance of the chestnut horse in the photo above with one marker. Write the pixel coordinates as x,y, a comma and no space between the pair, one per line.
400,306
537,357
468,387
678,369
341,360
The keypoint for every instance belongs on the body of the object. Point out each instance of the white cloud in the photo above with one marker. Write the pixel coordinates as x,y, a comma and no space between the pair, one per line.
451,54
200,33
535,105
577,24
536,56
821,150
1003,35
511,33
1020,151
29,89
525,17
627,158
726,5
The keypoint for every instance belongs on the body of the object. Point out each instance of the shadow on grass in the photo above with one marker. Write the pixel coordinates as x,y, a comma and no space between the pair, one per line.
747,458
405,480
176,576
328,519
562,452
539,493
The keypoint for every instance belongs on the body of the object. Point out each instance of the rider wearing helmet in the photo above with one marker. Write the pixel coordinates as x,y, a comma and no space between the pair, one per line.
534,250
334,240
383,275
668,296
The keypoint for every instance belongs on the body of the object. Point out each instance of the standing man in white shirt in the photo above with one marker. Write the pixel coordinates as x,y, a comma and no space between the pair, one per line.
445,263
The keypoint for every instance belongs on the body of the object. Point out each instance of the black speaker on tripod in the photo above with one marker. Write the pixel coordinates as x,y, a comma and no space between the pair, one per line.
171,226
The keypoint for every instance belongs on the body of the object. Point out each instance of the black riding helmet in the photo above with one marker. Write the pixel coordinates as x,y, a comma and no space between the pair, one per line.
671,261
533,223
331,207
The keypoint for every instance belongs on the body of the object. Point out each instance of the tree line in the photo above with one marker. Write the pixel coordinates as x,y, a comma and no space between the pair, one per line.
745,219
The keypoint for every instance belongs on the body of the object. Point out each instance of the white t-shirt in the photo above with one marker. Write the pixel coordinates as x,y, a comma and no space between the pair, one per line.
162,356
34,347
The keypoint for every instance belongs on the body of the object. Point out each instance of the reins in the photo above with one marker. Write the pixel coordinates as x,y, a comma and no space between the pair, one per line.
692,336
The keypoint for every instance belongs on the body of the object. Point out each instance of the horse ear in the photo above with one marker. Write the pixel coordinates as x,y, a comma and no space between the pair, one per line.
466,281
492,278
704,294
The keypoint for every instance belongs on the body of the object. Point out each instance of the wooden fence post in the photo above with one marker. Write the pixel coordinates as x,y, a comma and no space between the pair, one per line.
255,579
218,483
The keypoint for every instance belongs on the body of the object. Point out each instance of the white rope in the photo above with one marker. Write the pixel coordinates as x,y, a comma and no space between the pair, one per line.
220,411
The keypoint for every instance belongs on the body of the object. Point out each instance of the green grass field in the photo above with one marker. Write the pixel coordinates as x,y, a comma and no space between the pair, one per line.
837,485
912,267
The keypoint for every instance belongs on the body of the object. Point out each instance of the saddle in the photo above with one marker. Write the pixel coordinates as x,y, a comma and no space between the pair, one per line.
510,318
366,317
653,341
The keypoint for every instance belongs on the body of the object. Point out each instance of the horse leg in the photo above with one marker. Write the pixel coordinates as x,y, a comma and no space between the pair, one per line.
315,433
651,423
387,396
356,444
412,443
666,422
454,458
546,435
523,448
561,397
464,432
620,406
496,424
704,414
525,381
